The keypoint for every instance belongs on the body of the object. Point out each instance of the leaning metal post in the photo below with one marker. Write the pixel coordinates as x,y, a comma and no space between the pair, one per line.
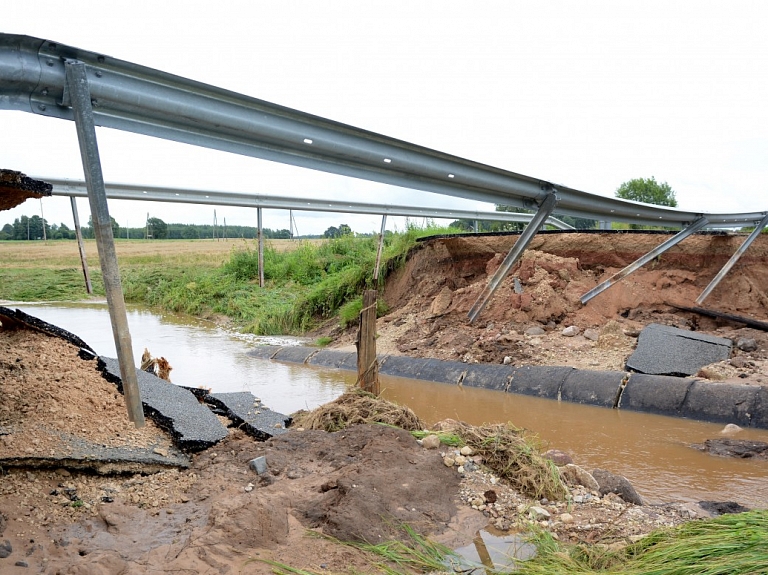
640,262
732,262
545,209
381,247
81,247
77,83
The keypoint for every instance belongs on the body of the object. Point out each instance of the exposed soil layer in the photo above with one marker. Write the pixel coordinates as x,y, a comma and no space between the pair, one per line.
429,299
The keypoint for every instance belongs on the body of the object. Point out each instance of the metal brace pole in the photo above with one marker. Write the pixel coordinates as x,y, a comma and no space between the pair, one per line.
545,210
640,262
81,246
261,247
732,262
77,82
381,248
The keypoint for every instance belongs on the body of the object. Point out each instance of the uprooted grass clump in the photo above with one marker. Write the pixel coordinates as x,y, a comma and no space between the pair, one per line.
357,407
515,457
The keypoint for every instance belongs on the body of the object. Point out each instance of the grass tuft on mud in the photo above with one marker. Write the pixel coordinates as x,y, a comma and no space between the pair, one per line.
356,407
728,545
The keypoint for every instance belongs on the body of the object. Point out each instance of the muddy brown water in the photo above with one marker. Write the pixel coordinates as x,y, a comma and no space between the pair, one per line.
651,451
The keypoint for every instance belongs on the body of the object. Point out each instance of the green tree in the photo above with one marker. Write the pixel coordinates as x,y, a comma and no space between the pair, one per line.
157,228
332,232
345,230
648,191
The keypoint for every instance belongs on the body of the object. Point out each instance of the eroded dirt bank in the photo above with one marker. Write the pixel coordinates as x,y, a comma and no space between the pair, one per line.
430,296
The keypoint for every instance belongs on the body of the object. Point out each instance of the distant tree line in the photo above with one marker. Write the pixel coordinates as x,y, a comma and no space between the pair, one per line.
26,228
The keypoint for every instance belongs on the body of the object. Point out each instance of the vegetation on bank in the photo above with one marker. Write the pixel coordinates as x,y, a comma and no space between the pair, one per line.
310,283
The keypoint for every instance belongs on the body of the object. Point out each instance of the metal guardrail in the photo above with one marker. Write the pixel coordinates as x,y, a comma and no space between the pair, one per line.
138,99
76,188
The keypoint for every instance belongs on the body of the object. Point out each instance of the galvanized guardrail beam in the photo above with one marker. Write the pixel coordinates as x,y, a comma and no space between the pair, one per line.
146,101
75,188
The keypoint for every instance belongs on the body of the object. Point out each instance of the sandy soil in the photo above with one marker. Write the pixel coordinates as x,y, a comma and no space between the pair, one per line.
218,516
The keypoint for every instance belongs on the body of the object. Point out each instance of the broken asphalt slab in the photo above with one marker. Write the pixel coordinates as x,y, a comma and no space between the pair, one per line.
665,350
192,425
247,413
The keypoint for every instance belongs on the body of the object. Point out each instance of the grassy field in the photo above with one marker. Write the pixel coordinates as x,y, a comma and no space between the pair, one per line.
64,253
306,281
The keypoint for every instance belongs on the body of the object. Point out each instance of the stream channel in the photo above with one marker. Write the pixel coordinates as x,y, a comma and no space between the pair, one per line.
651,451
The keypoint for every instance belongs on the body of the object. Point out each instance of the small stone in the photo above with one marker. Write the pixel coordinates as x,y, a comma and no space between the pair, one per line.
61,472
578,499
730,429
448,461
467,451
592,334
160,451
558,457
477,502
431,442
259,465
538,513
248,488
460,469
570,331
5,549
507,360
535,330
21,564
738,362
566,517
746,344
459,460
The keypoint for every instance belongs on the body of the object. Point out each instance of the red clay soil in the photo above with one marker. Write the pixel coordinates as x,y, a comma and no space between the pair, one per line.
430,296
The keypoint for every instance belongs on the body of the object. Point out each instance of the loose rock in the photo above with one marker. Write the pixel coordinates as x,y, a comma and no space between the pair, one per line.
570,331
431,442
618,484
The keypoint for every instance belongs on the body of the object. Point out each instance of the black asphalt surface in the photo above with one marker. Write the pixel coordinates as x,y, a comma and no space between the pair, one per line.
248,414
192,425
665,350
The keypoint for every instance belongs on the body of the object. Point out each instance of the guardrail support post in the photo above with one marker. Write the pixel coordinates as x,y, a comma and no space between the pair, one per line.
261,247
77,83
545,210
81,246
732,262
694,227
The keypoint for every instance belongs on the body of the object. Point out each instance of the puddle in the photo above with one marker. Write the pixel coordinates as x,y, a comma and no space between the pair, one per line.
493,551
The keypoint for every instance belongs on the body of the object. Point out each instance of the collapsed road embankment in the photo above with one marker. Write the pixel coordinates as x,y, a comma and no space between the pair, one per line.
742,404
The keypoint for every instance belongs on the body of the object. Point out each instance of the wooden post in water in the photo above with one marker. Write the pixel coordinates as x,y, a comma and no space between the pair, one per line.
367,365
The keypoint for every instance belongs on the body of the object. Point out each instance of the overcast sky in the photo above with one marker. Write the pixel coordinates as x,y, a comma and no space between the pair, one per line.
583,93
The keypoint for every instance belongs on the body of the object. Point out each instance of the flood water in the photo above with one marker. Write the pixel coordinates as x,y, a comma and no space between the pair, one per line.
651,451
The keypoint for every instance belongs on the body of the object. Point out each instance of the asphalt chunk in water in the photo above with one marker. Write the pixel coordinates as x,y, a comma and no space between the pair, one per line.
248,414
192,425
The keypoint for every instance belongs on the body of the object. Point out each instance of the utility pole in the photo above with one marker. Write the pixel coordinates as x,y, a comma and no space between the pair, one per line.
45,239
